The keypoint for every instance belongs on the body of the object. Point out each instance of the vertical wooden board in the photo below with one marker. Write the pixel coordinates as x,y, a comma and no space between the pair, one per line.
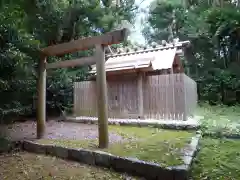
180,97
175,96
156,99
127,102
116,99
145,97
74,99
153,98
139,101
153,108
85,103
177,110
113,98
92,98
95,98
121,98
89,99
78,103
81,97
159,88
185,82
77,99
170,96
109,89
163,96
166,98
150,97
129,90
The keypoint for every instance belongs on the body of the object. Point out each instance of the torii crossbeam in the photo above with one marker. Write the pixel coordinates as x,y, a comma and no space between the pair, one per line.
99,42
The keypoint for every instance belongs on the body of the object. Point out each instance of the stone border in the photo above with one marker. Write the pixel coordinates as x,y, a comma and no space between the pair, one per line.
131,166
103,159
189,152
165,124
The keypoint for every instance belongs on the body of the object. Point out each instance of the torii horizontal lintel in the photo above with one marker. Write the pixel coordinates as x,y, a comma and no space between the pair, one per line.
113,37
72,63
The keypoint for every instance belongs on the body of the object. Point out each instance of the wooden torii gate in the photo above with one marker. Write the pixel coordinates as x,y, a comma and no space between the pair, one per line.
99,42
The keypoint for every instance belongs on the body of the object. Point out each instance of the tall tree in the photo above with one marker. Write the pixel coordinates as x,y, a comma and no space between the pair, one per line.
27,25
213,29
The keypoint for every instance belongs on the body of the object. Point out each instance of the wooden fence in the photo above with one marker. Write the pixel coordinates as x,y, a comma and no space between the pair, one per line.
165,97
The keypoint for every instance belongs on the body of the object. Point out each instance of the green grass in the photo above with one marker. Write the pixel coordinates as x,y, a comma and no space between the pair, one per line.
26,166
218,159
149,144
220,119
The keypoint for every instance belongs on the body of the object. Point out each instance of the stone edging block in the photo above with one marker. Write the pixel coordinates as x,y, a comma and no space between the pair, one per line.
120,164
191,150
131,166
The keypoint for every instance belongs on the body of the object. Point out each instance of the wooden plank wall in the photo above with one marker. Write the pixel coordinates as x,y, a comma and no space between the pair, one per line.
122,97
85,99
164,97
168,97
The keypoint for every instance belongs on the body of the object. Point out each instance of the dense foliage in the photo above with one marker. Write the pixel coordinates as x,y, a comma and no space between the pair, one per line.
213,27
28,25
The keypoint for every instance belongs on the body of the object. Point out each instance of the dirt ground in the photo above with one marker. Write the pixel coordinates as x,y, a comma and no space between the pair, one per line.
27,166
55,130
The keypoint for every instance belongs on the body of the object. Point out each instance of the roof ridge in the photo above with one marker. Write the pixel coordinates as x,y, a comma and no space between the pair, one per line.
156,48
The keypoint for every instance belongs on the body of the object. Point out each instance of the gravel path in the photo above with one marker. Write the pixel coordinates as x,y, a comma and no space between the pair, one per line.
55,130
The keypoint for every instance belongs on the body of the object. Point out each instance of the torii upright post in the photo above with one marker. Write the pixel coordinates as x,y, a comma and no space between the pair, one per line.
99,42
41,104
102,97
